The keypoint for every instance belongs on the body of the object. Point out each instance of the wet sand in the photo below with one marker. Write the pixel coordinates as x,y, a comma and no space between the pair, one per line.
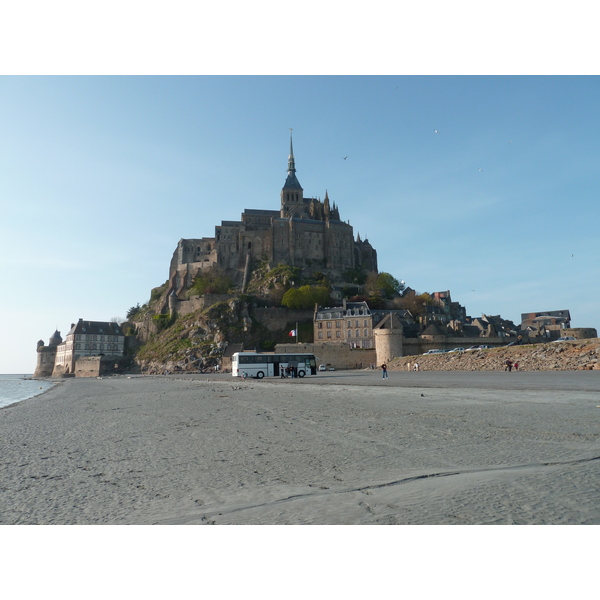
341,448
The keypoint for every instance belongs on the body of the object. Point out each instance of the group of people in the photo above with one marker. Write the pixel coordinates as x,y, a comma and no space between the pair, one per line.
509,365
285,372
384,372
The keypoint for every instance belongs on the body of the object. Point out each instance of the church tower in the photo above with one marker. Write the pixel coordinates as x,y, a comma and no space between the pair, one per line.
292,197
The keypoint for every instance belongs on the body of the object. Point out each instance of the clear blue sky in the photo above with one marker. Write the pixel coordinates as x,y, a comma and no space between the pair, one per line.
101,176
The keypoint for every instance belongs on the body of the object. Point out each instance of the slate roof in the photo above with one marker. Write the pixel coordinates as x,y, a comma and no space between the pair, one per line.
96,328
433,330
292,183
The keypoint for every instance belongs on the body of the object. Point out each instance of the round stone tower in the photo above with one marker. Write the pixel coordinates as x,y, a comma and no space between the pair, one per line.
388,335
173,302
46,356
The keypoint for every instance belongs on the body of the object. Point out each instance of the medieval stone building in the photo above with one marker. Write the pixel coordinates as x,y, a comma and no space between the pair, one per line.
304,232
86,340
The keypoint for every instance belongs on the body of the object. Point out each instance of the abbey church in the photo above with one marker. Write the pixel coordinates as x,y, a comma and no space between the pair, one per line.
304,232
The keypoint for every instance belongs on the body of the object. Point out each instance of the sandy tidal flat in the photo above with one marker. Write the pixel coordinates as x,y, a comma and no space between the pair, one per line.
328,450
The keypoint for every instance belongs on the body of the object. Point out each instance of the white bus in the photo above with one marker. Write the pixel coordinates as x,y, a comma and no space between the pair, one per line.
259,365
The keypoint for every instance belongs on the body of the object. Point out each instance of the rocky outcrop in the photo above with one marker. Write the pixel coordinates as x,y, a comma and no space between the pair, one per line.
581,355
196,341
191,342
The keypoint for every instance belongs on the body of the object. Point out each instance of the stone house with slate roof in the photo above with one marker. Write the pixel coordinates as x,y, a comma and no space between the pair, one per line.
87,339
352,323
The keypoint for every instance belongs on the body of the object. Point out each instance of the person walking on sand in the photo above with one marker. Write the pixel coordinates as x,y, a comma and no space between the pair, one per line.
416,366
516,366
508,365
408,366
384,373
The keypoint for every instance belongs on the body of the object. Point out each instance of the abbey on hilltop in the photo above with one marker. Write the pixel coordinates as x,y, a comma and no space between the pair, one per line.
304,233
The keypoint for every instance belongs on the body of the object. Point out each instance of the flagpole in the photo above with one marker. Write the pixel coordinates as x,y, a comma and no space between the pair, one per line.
297,332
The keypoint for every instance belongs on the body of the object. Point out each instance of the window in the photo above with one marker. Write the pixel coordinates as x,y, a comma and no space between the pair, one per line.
320,335
349,333
337,324
365,333
329,334
328,324
320,325
337,334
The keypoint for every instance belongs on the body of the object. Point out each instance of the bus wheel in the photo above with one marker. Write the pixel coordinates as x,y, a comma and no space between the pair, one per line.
301,373
260,375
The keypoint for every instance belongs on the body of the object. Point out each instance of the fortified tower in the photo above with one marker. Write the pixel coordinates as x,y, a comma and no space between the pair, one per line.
388,335
46,355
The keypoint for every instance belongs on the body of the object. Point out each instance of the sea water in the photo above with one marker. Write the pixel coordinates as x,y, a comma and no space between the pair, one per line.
14,388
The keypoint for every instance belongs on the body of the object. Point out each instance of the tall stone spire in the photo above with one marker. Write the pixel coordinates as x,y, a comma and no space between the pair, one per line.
291,162
291,183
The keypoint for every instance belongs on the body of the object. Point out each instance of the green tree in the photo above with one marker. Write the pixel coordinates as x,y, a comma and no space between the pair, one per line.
211,281
383,284
356,275
389,284
305,297
134,310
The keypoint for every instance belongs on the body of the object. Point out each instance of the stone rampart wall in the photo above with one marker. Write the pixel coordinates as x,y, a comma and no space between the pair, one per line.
339,356
185,307
580,333
94,366
88,366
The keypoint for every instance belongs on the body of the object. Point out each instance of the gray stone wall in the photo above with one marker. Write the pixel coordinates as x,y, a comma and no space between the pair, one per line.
95,366
580,333
185,307
339,356
88,366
